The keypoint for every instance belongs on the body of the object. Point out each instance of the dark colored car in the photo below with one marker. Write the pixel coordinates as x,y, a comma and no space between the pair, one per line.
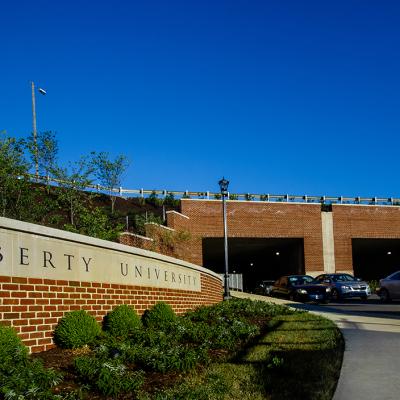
344,286
264,287
389,287
300,288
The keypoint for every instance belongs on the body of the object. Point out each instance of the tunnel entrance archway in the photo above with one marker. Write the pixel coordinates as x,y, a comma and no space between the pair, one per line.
256,258
374,259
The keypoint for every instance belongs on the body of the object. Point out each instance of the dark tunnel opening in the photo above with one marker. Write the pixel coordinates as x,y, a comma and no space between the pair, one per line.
374,259
256,258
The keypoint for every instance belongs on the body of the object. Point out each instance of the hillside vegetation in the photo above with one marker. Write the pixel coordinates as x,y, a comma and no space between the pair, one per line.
69,205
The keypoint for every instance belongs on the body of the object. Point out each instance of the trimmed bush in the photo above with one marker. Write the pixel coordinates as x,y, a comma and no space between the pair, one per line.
76,329
122,321
12,351
160,316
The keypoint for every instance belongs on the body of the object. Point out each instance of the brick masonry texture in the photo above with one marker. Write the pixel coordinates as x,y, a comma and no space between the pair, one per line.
252,220
361,222
136,241
34,306
203,219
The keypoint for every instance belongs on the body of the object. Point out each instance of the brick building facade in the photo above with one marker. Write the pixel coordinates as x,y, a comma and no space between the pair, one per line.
330,239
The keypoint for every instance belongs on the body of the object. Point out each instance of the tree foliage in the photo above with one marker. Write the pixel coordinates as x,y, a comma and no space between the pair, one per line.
13,181
72,183
66,204
109,172
47,151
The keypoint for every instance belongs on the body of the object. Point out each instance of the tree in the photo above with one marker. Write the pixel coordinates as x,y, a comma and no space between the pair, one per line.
13,177
47,151
94,222
72,184
109,173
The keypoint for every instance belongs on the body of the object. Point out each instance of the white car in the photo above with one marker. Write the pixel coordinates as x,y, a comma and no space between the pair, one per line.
389,287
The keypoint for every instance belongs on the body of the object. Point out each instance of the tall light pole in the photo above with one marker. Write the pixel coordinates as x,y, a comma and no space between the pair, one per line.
223,184
35,146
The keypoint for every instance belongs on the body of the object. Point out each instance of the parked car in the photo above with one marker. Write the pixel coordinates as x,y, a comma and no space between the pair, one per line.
264,287
344,286
300,288
389,287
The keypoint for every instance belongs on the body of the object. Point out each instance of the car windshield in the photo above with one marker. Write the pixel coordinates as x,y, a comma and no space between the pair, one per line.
343,278
300,280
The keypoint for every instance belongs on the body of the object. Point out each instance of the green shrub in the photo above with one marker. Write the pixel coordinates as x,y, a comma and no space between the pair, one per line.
169,200
160,316
374,284
123,350
21,378
76,329
227,325
29,380
230,334
152,337
110,377
172,358
122,321
154,200
12,351
237,308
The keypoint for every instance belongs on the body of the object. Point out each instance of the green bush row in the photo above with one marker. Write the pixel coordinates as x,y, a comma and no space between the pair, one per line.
128,346
78,328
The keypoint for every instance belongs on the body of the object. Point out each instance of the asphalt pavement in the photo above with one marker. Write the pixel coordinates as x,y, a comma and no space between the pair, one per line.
371,361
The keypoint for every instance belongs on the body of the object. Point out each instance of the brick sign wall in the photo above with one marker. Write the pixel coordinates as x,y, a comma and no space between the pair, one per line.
46,272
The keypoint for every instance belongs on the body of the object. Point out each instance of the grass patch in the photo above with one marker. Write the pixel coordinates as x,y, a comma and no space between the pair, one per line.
299,358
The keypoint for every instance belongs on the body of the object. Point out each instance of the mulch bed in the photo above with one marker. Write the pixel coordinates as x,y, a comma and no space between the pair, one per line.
62,360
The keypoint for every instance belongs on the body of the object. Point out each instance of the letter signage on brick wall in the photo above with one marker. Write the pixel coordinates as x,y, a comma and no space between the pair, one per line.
28,250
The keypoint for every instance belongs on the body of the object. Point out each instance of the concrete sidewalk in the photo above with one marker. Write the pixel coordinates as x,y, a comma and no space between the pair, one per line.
371,362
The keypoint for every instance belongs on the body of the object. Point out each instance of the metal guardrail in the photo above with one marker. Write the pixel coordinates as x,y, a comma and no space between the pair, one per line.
277,198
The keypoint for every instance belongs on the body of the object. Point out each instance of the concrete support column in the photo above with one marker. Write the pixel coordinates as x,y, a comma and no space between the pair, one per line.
328,243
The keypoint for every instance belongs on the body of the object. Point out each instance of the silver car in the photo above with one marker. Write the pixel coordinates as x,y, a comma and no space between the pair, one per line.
389,287
344,286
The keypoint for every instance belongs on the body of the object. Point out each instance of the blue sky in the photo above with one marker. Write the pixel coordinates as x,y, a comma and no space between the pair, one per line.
297,97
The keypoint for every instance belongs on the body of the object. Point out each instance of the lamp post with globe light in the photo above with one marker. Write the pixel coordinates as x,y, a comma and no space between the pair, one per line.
223,184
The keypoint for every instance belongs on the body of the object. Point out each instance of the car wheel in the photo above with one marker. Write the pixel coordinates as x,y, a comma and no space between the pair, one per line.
292,297
335,296
384,295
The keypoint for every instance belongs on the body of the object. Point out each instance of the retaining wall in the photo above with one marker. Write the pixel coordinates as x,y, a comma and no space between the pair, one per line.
45,273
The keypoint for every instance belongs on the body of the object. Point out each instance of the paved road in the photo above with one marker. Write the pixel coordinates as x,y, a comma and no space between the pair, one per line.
371,362
372,307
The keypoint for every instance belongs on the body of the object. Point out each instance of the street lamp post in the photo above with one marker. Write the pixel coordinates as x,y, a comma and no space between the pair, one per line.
223,184
35,146
35,149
